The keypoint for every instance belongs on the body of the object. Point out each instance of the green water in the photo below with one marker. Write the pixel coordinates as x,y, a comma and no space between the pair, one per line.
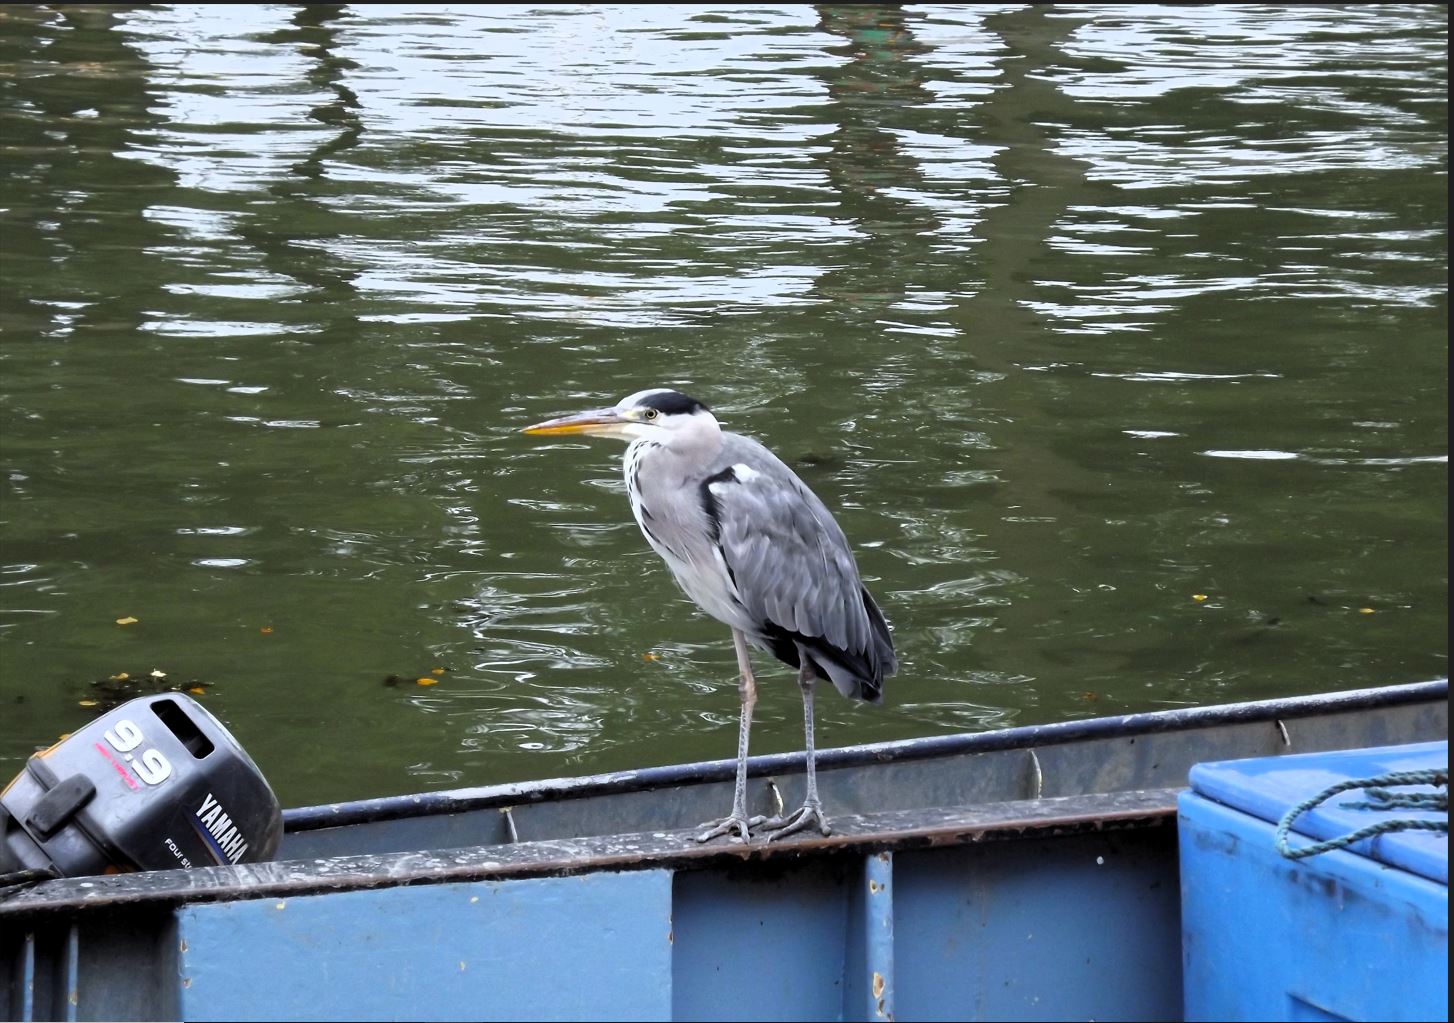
1073,314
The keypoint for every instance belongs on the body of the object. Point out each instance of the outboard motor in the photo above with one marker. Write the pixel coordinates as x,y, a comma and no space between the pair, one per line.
157,783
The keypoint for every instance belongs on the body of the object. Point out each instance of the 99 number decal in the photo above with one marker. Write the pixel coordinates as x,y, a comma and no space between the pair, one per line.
150,766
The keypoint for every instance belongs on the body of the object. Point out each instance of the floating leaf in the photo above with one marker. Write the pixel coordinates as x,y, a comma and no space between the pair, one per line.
1365,610
90,703
197,689
128,620
436,671
266,630
649,656
114,690
1199,597
426,681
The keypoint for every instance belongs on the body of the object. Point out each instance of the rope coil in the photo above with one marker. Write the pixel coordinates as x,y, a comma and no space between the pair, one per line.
1379,798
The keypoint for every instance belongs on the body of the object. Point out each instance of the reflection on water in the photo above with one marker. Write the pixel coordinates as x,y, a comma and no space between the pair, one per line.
1116,334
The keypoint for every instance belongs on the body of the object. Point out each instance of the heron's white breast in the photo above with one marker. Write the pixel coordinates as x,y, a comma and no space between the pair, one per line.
668,507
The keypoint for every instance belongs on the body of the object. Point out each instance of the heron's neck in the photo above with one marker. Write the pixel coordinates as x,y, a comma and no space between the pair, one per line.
690,446
699,439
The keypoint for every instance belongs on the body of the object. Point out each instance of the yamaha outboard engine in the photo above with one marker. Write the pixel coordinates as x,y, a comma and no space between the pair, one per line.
155,784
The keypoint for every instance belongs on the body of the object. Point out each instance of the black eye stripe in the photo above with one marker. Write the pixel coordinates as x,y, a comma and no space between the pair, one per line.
672,403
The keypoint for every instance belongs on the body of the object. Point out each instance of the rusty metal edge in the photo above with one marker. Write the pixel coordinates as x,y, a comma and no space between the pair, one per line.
861,835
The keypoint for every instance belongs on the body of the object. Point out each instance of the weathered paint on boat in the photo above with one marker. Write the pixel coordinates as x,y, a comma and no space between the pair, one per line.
1029,873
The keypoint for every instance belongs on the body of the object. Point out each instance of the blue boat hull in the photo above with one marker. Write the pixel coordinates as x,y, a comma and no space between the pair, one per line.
1029,874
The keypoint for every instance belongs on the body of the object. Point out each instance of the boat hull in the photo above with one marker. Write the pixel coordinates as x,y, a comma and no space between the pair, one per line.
1025,874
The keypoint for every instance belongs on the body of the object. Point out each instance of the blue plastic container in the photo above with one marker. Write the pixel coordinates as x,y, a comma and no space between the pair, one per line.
1355,934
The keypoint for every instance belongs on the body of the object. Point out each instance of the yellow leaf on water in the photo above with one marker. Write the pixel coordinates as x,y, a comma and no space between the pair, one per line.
649,656
436,671
89,703
1199,597
128,620
427,681
120,676
266,630
197,689
1365,610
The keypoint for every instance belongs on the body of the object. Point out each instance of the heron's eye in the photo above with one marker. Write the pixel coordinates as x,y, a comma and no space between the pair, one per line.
651,414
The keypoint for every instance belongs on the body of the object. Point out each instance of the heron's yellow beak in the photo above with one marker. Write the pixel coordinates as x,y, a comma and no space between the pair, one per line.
603,422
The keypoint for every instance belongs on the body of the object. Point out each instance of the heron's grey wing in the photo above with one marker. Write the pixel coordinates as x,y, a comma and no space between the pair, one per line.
793,570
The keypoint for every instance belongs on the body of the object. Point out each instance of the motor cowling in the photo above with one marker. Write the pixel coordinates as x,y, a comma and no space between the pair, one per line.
157,783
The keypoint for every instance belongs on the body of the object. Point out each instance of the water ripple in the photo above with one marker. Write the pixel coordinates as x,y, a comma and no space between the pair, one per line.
1070,313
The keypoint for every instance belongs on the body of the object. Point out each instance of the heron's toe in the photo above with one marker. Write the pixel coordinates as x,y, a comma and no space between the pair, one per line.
809,813
742,824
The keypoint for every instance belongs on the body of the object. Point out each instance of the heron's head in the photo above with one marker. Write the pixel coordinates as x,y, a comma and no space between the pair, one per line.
659,414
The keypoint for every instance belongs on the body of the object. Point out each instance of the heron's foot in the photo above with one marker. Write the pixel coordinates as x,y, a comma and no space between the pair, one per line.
810,813
739,822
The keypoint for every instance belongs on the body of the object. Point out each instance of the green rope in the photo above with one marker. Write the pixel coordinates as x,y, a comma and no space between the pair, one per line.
1379,798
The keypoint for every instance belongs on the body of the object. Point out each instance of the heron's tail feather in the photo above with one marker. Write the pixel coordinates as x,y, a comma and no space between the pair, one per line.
857,674
883,640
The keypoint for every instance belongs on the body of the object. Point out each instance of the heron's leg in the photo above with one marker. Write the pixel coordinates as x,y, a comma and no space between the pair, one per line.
738,820
811,812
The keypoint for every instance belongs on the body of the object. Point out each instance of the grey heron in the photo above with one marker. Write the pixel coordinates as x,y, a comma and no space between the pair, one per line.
747,540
